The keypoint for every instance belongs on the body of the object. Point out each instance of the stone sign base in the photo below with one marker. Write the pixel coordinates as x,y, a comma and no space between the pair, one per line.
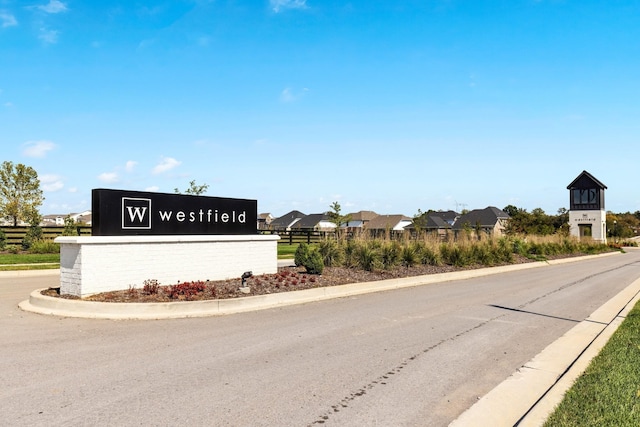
96,264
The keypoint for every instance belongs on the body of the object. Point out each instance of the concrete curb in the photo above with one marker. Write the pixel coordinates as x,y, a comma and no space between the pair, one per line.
38,303
29,273
530,394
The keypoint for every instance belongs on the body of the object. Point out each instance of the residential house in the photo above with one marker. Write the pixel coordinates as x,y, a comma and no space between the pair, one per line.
286,221
490,220
432,224
57,220
264,221
449,216
358,221
314,222
383,225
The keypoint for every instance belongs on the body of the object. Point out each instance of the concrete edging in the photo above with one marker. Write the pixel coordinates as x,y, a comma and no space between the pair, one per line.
38,303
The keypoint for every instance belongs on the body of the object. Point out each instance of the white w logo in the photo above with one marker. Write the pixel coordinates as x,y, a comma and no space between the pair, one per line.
136,212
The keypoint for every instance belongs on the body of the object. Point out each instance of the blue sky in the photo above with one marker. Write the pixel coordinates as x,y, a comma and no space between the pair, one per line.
391,106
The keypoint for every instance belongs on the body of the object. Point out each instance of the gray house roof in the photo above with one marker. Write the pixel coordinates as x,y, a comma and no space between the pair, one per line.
486,218
286,220
433,223
309,222
448,216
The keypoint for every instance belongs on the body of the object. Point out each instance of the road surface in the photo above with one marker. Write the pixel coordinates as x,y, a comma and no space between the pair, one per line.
411,357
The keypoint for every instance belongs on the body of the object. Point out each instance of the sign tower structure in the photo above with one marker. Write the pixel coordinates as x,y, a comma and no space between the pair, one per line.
587,215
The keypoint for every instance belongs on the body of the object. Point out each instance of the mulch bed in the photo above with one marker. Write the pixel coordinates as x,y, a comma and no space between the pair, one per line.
287,279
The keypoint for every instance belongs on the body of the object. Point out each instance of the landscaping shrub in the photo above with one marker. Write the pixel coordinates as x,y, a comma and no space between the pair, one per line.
409,255
150,287
34,233
44,246
331,252
3,240
390,255
368,257
310,258
186,290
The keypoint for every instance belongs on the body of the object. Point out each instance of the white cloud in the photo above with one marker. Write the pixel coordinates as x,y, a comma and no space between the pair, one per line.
51,183
108,177
73,190
130,165
7,20
278,5
289,95
153,188
37,148
166,164
54,6
48,36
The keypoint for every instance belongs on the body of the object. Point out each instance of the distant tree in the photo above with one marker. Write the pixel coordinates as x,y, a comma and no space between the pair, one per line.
20,193
420,220
535,222
196,190
336,217
70,227
622,225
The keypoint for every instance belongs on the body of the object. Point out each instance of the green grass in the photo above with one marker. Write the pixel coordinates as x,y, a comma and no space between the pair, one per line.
29,267
608,393
286,251
9,259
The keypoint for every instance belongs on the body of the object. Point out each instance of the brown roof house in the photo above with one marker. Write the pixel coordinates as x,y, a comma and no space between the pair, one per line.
489,220
387,224
359,220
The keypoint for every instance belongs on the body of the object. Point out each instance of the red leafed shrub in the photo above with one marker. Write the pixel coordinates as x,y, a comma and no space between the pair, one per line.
186,290
151,287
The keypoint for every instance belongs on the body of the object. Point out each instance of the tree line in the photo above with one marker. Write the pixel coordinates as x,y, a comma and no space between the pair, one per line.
619,225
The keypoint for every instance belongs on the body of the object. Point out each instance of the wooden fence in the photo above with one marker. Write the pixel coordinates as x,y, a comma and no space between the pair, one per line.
14,235
295,237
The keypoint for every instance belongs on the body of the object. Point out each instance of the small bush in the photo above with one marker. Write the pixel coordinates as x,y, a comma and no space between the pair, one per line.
150,287
34,233
390,254
44,246
409,256
331,252
310,258
368,258
3,240
186,290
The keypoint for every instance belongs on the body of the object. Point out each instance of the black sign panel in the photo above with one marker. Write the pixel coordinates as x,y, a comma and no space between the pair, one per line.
126,213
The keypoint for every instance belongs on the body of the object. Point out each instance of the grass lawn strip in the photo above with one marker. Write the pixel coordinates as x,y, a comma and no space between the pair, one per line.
608,392
24,258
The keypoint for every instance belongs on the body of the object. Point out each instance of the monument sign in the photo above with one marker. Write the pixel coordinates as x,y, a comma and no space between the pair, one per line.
167,237
135,213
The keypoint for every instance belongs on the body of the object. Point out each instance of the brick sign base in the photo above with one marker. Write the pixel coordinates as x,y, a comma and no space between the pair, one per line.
96,264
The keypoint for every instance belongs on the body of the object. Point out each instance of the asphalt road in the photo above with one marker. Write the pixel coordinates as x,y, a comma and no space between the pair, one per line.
411,357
